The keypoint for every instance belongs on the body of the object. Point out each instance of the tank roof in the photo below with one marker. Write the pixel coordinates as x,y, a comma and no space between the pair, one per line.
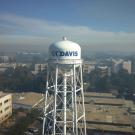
65,49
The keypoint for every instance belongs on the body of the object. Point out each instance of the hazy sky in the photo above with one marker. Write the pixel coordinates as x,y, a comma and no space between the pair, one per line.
98,25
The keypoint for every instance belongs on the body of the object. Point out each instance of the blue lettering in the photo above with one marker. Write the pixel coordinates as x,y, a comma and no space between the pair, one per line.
57,53
75,53
62,53
70,53
67,53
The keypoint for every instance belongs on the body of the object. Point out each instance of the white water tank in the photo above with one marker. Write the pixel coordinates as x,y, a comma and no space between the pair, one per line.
64,50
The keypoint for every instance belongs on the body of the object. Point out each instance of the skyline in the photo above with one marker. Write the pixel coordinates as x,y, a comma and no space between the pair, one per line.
95,25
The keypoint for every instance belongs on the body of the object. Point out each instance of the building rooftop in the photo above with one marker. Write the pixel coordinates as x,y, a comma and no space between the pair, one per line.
100,95
3,94
110,128
104,101
107,113
27,98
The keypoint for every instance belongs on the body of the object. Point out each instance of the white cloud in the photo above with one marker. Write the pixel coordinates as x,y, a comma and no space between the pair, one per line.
22,30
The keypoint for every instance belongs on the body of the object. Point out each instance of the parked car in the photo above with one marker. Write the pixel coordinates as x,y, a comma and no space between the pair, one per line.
33,130
28,133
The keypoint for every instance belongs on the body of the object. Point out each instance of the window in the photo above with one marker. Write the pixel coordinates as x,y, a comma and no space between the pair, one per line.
6,101
6,115
6,108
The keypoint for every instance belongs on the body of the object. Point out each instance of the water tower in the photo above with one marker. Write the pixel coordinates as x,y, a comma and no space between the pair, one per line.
64,110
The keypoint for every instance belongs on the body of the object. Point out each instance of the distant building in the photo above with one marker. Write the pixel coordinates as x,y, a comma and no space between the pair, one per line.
126,65
5,106
39,68
103,71
5,66
4,59
88,67
133,67
116,65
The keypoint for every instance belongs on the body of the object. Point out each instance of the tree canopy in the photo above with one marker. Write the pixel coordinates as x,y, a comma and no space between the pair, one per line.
21,79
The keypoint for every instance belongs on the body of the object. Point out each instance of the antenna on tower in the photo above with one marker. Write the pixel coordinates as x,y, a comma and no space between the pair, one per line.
64,38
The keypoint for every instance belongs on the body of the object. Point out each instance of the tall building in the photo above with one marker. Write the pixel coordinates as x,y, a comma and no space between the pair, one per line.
126,65
5,106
